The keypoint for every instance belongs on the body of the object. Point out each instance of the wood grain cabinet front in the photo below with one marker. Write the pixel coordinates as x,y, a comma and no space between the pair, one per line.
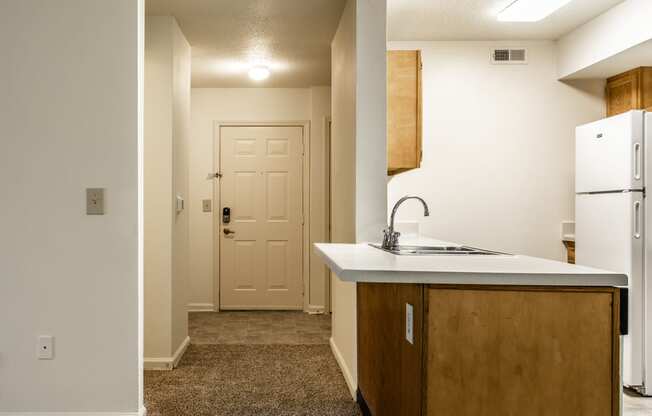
404,118
631,90
489,350
389,367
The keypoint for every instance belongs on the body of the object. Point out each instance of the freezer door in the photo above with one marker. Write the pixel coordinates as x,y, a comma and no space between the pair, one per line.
609,235
609,154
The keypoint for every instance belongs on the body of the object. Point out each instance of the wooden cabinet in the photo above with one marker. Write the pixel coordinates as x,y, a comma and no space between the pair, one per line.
570,251
390,387
489,350
404,115
522,350
631,90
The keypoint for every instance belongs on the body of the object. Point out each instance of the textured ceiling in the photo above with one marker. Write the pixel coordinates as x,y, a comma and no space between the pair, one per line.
292,37
476,20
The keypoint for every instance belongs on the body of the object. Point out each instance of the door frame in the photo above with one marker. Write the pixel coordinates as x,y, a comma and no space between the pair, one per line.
305,200
327,130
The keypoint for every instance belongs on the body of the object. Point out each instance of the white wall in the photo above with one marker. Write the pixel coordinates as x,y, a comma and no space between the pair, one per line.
618,29
69,117
358,189
248,105
498,147
167,116
371,121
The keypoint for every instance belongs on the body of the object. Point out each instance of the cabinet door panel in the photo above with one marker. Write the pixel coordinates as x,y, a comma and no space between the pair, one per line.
522,351
622,94
390,367
403,110
631,90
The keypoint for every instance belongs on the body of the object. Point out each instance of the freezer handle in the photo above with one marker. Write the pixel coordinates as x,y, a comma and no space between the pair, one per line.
637,219
637,161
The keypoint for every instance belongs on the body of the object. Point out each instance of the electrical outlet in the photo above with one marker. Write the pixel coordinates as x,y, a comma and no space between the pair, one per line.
409,323
94,201
45,347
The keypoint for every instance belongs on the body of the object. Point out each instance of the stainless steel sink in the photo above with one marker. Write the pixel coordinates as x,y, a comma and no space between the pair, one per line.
404,250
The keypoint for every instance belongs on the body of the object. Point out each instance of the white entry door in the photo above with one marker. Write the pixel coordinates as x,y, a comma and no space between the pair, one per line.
260,248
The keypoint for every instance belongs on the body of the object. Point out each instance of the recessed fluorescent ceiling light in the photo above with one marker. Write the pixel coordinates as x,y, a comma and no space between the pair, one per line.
259,73
530,10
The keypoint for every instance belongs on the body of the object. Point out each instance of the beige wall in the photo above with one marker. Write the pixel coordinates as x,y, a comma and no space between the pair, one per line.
181,75
167,114
343,189
358,189
249,105
70,121
320,109
498,147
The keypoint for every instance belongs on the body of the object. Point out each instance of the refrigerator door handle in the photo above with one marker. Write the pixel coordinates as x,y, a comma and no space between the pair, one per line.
637,219
637,161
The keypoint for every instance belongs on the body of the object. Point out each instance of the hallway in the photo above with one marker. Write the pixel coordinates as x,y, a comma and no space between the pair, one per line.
253,363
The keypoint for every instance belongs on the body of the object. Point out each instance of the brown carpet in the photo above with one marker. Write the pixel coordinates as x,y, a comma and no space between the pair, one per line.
251,380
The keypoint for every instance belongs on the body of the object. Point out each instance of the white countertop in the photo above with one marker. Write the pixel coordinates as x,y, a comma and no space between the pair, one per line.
363,263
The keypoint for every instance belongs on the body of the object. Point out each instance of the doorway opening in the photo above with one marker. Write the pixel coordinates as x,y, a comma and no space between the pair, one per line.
237,176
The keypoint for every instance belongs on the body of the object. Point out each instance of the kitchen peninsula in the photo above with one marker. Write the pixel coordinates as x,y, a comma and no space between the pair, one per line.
498,334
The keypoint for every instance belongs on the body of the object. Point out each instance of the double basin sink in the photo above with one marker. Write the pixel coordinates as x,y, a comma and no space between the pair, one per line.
407,250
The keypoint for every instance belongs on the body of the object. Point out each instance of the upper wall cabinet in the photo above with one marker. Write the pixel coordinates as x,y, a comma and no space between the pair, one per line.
631,90
403,111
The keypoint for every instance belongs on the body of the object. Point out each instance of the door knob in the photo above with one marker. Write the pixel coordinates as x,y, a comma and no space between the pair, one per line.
228,231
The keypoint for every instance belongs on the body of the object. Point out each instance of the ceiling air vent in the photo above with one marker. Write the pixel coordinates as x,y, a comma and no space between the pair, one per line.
509,56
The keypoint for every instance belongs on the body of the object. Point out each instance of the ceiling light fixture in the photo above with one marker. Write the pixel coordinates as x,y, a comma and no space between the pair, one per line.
530,10
259,73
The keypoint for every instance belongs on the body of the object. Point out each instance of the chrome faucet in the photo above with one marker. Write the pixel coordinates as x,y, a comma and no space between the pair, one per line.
390,237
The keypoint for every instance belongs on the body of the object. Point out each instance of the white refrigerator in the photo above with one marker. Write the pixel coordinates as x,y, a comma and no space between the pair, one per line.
610,223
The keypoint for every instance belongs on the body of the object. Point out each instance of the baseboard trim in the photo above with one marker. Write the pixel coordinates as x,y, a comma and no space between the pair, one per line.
167,363
201,307
261,308
142,412
316,309
345,369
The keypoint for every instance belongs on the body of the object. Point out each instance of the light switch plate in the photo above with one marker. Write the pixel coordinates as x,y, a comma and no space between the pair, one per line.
206,205
409,323
94,201
45,347
180,203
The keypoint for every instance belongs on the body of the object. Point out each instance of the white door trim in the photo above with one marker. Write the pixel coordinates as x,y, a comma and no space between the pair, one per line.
305,180
326,128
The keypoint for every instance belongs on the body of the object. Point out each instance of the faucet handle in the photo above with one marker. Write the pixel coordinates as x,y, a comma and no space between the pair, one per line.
390,238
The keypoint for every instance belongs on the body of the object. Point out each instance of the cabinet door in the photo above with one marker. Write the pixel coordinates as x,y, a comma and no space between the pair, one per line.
403,111
623,93
390,366
522,351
